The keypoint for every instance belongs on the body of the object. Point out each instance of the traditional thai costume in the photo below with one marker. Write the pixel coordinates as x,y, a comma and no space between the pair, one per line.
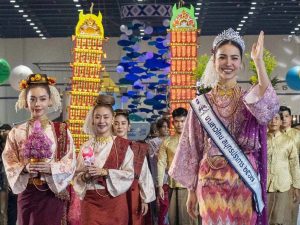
201,166
40,200
162,210
46,203
283,174
295,135
142,189
104,199
177,193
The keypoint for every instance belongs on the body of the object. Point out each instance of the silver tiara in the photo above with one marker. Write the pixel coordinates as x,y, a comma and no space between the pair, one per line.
229,35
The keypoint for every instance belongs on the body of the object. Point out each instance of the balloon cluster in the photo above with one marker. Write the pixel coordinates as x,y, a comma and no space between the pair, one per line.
15,76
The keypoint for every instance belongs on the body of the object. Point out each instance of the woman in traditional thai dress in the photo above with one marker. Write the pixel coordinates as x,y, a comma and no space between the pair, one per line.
219,161
41,186
142,190
104,170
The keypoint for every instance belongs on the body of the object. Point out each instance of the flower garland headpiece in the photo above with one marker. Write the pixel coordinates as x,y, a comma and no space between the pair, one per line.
38,79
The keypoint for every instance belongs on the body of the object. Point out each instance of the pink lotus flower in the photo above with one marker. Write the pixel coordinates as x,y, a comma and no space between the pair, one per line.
38,145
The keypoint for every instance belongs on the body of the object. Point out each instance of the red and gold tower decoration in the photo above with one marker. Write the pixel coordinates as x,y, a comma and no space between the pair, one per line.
183,46
87,72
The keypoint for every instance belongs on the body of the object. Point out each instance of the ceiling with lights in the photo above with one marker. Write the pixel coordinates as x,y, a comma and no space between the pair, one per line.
57,18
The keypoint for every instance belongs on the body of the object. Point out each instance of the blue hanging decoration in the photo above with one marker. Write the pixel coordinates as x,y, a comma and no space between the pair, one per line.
124,99
141,67
133,110
124,81
159,106
137,69
125,43
132,77
146,110
160,97
131,106
128,49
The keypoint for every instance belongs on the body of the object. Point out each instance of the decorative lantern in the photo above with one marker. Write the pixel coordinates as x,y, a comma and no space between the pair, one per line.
87,69
183,31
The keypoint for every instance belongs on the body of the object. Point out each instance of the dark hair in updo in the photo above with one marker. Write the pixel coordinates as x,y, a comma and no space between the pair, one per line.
106,101
228,42
122,112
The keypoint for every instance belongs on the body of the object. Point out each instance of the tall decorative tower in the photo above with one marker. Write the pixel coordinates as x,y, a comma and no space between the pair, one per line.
87,71
183,32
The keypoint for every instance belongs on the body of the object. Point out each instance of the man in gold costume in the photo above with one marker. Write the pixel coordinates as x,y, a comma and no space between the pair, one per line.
283,174
177,193
286,127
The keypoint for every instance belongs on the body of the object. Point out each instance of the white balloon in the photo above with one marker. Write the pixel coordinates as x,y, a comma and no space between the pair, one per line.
123,28
17,74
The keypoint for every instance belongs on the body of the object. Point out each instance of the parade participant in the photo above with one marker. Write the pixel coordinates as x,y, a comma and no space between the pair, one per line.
39,156
162,125
8,200
142,190
283,175
177,193
286,127
104,170
222,155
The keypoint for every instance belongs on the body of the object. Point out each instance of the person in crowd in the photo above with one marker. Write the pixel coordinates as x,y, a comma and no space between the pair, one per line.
222,156
283,174
177,193
104,170
286,127
142,190
153,131
162,125
39,156
8,201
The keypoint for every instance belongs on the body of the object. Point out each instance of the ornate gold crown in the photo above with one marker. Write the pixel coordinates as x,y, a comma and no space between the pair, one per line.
36,79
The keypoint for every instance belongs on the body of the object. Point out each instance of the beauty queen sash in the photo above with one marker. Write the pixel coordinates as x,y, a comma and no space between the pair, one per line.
230,149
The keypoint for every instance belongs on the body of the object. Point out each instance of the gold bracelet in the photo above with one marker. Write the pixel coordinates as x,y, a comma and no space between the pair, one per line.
104,172
85,178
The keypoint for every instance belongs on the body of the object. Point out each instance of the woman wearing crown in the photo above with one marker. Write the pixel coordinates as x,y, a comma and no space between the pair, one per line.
104,169
222,154
39,156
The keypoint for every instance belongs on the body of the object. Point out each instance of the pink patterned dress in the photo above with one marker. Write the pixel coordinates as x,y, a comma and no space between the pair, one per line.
198,164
